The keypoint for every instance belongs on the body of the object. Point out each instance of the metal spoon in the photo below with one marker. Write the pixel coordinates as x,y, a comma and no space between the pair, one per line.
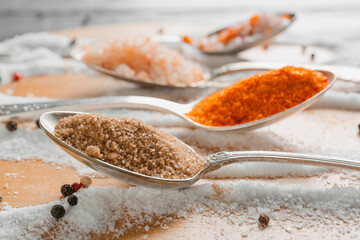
150,103
214,161
255,41
176,43
343,73
233,49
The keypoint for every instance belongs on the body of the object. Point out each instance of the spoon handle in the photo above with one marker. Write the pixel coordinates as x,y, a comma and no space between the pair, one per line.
343,73
217,160
28,109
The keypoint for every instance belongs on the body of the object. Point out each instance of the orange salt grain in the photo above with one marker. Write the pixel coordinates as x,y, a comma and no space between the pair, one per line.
287,16
227,34
258,96
187,39
254,20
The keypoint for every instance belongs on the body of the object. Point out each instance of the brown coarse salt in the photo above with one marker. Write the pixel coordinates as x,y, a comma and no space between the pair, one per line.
264,219
93,151
131,144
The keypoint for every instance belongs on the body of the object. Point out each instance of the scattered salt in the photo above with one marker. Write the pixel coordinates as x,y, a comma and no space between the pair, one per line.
13,175
36,54
138,206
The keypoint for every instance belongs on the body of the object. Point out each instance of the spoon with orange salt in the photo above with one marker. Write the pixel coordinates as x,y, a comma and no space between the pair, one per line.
251,103
144,156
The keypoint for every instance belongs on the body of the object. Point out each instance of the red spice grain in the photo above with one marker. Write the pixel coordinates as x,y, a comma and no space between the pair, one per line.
76,186
17,76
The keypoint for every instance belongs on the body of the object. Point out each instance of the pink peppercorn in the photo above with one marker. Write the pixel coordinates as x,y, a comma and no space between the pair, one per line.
17,76
76,186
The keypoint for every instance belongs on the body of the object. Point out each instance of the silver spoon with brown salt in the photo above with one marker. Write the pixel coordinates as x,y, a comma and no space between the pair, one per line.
131,151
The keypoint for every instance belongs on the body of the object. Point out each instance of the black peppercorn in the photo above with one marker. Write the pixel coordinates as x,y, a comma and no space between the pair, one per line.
312,57
11,126
72,200
57,211
38,123
264,219
66,190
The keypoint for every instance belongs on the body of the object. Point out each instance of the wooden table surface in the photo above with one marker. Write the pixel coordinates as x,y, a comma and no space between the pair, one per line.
34,173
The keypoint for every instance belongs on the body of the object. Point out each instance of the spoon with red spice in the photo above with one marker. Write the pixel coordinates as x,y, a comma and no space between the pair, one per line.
49,123
249,104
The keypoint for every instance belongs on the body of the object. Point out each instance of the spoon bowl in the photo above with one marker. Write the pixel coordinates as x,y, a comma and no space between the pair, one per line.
255,41
214,161
273,118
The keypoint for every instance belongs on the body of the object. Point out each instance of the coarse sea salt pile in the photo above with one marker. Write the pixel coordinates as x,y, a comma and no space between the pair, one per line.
145,60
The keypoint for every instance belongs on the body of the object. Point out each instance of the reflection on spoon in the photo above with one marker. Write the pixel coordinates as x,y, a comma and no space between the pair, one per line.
213,162
150,103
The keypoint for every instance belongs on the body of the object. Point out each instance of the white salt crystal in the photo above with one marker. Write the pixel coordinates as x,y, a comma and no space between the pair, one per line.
9,91
7,208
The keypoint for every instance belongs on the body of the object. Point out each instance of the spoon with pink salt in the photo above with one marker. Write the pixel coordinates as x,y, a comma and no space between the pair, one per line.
49,123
